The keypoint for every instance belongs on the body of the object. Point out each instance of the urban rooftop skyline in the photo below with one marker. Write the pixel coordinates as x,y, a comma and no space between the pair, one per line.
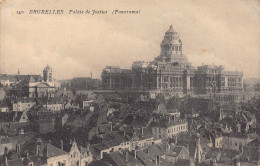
77,45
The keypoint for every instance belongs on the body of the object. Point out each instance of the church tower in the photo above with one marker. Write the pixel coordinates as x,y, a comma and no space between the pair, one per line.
47,74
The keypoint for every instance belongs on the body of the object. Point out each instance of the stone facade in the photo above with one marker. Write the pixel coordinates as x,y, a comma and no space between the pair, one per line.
171,73
34,85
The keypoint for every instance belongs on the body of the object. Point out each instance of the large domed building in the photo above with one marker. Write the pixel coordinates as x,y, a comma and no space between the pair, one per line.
171,73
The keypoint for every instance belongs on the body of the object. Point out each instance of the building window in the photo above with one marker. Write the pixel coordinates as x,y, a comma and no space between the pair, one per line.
235,143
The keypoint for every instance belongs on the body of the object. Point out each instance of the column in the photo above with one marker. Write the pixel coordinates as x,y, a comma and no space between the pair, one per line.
161,81
110,83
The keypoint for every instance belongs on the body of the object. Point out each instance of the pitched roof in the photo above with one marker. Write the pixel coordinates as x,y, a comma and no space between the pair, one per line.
124,157
53,151
28,78
183,162
16,162
255,143
9,77
144,158
10,116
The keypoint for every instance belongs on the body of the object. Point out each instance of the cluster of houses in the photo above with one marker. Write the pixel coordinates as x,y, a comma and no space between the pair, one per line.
68,128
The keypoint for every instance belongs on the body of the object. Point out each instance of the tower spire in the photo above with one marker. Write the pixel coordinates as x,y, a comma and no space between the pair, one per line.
171,28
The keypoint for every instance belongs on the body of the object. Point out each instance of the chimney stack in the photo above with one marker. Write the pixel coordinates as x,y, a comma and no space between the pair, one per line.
142,131
176,139
167,147
61,144
38,148
134,153
236,162
198,149
239,128
18,149
157,160
6,161
126,156
87,145
188,147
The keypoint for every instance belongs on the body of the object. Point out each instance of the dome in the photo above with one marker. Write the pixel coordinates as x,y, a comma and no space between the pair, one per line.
171,36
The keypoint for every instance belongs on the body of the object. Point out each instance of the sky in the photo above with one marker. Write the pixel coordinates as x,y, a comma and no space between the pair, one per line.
217,31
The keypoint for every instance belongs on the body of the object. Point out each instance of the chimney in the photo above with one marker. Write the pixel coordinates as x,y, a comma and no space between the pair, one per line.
142,131
134,153
167,146
188,147
198,149
87,145
6,161
239,128
241,149
157,160
237,163
38,148
126,156
203,156
6,151
27,155
18,149
176,139
111,127
61,144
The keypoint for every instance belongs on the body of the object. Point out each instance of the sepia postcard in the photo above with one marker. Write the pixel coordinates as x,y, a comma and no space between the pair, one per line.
127,83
